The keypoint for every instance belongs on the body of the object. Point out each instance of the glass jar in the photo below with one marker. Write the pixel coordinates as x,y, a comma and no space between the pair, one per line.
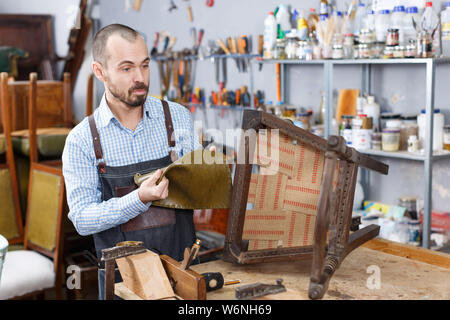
407,129
308,50
345,129
388,52
349,42
414,233
366,36
386,116
338,52
410,51
301,50
280,50
376,141
303,120
424,45
399,52
291,47
390,140
364,51
392,37
447,137
377,50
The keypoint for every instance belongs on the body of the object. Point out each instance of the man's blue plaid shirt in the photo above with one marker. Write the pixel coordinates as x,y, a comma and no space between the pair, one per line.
121,146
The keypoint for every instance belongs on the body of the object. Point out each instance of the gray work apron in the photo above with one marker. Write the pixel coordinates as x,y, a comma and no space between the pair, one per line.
172,230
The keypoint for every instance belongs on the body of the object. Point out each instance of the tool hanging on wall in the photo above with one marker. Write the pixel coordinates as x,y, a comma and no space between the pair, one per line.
209,3
172,6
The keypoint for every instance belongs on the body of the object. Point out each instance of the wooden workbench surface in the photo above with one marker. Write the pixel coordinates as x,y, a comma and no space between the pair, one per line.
401,278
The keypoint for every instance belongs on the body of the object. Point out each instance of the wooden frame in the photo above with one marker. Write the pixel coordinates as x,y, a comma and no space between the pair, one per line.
10,163
334,209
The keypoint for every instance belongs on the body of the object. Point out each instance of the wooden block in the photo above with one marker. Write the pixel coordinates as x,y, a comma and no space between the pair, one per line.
189,285
144,275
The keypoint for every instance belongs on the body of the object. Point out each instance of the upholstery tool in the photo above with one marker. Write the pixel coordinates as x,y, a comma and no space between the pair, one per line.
154,51
214,281
172,6
257,290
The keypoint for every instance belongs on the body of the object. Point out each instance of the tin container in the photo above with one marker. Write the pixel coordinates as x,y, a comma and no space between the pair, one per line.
399,52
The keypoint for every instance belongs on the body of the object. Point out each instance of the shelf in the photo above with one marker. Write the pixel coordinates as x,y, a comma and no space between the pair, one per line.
406,155
214,56
361,61
218,107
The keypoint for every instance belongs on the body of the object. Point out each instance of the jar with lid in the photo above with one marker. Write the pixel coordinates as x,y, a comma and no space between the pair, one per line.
303,120
377,50
424,45
362,132
338,52
291,47
392,37
399,52
447,137
308,50
301,50
410,51
376,141
366,36
390,140
385,116
280,50
414,233
407,129
364,51
388,52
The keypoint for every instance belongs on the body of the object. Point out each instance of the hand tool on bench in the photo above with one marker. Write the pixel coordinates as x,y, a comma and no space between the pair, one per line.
257,290
123,249
214,281
190,255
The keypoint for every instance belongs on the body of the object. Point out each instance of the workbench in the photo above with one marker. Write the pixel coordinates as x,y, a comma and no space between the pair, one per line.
406,273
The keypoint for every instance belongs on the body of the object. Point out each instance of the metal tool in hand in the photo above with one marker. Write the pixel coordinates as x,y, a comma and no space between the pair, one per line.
257,290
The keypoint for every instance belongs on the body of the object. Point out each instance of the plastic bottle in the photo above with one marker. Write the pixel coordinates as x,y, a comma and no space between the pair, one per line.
270,35
313,18
430,24
438,129
382,23
339,20
372,109
445,25
360,18
323,7
284,18
370,22
302,26
397,22
410,32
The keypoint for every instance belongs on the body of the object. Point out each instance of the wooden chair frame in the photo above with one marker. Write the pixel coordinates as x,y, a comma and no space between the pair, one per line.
10,162
334,213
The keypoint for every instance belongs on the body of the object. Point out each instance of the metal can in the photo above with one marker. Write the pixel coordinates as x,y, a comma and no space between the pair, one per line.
392,37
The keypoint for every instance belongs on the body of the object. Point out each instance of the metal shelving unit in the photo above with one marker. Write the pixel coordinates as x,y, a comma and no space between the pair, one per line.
427,157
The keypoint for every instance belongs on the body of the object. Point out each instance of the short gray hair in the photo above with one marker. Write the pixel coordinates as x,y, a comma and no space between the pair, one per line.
101,39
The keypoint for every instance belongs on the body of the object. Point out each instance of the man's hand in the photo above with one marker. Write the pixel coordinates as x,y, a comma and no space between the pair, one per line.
150,191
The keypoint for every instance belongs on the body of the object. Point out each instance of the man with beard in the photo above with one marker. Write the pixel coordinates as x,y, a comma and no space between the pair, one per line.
129,133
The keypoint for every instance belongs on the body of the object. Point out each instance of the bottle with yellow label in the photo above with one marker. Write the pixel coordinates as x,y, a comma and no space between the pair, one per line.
445,25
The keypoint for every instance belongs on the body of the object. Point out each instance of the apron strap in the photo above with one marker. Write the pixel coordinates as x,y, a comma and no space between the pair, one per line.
169,124
97,145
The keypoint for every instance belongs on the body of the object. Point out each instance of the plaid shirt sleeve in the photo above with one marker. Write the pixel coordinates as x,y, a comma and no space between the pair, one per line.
88,212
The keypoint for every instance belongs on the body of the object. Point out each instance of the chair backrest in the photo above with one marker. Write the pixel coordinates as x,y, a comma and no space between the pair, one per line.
285,178
42,94
90,95
11,225
44,220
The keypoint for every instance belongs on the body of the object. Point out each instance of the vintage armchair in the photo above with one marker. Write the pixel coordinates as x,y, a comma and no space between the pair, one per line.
38,267
295,201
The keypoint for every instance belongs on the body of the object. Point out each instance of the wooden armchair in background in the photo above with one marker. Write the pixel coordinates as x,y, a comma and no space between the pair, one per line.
297,205
27,273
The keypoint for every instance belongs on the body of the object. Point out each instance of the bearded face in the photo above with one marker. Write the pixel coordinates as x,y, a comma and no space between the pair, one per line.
133,97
